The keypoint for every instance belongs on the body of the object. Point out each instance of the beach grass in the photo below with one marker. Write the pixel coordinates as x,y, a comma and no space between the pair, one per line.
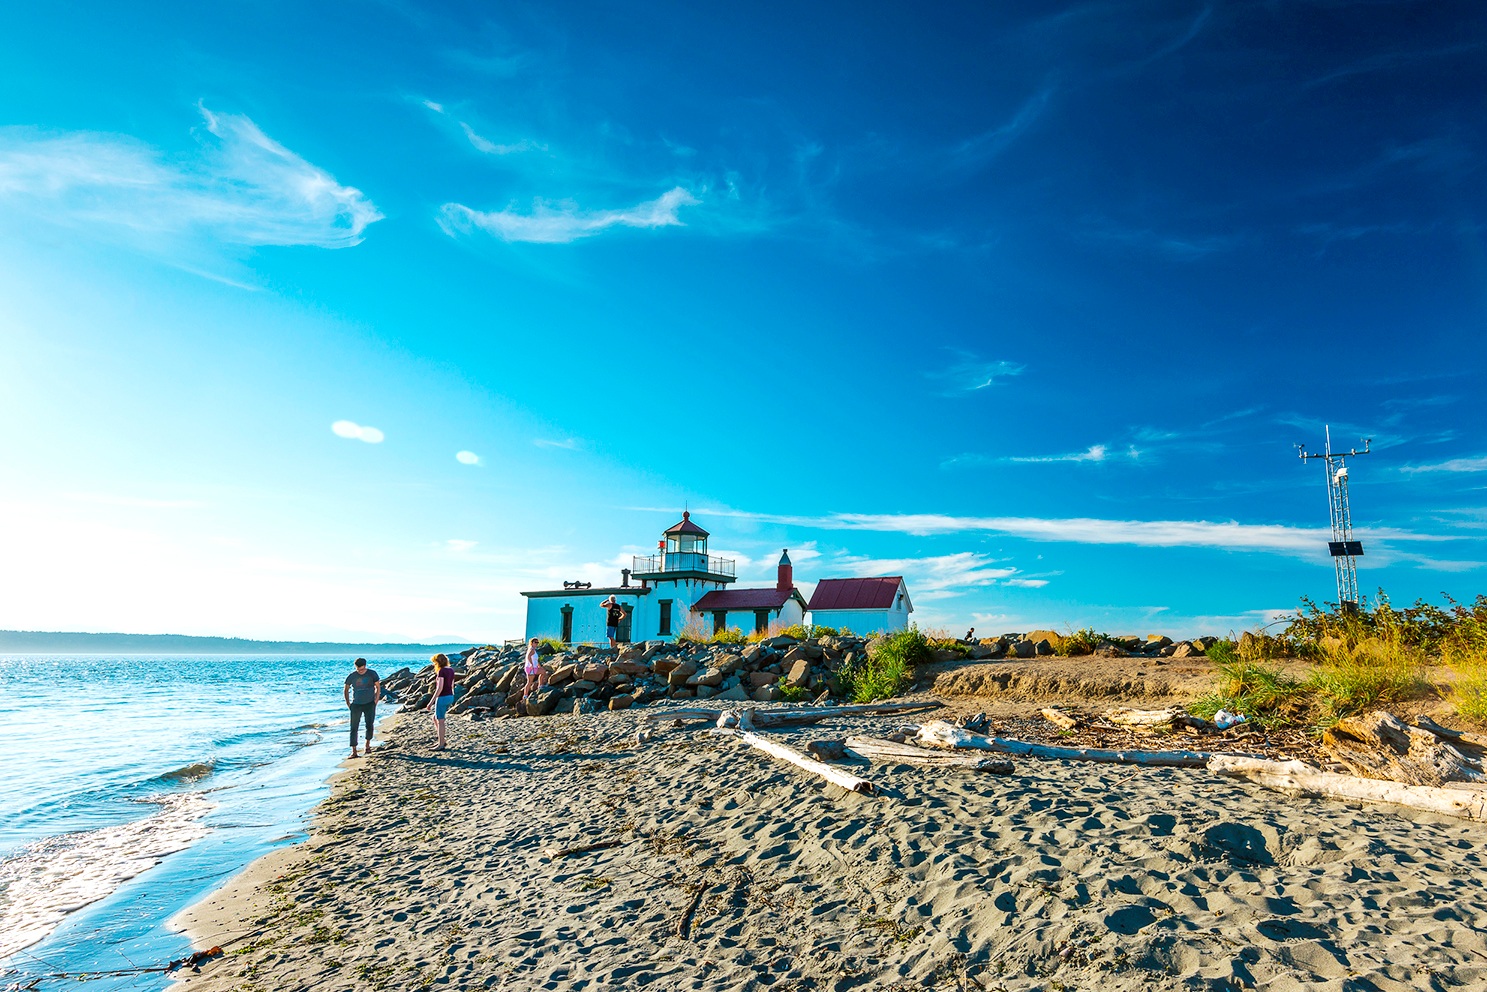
888,667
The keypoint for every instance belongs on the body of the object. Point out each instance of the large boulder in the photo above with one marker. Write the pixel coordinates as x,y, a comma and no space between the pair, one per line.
799,674
1159,640
621,702
543,701
679,675
1187,649
562,675
628,668
594,673
751,654
1043,647
1023,648
766,694
733,694
757,679
991,647
663,665
708,676
729,663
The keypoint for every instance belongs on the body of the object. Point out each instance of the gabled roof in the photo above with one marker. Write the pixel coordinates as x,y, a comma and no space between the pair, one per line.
685,526
856,594
745,599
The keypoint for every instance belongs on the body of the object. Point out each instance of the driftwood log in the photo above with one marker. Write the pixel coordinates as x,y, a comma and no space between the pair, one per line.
1059,718
875,747
1171,716
1447,734
1466,802
796,716
938,733
1377,745
775,749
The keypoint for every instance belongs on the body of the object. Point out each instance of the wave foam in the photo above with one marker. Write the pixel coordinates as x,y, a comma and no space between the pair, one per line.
42,883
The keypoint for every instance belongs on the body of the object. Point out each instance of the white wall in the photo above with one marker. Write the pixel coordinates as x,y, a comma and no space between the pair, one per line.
545,613
862,621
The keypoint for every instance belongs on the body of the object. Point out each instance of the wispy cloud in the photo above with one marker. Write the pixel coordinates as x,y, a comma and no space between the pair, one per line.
1027,583
975,153
567,444
1094,453
459,545
351,430
971,373
934,576
564,222
1477,464
242,188
495,148
1227,535
467,458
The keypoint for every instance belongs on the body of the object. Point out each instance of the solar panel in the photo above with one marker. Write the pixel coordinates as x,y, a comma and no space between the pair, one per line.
1341,548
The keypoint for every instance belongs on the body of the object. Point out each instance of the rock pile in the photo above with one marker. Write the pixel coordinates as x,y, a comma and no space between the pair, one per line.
1046,642
584,678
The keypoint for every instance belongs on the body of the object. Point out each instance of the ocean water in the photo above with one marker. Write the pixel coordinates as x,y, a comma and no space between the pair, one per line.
131,787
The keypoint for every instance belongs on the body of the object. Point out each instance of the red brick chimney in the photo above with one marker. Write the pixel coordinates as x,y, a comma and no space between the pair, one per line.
786,580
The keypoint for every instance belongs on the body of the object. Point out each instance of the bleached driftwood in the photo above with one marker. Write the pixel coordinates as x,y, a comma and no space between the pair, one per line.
1466,802
775,749
938,733
1447,734
874,747
1059,718
1378,745
796,716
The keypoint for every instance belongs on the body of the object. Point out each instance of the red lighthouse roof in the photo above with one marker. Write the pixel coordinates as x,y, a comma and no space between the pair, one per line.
685,526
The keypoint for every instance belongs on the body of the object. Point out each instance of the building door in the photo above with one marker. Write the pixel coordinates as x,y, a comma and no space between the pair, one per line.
720,621
622,635
761,621
567,637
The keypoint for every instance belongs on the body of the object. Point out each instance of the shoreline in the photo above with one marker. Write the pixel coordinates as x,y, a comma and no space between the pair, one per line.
723,870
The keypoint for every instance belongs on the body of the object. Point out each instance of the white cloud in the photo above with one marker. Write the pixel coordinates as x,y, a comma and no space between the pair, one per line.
934,574
493,148
567,444
1094,453
456,544
564,222
351,429
467,458
243,188
1478,464
1228,535
1026,583
971,373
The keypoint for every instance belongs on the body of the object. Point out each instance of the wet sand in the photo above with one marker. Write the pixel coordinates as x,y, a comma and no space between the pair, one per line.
732,871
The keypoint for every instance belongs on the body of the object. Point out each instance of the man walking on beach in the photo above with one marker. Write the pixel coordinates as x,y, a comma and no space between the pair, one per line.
363,692
613,615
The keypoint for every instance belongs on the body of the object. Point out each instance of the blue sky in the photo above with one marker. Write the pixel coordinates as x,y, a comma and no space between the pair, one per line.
1028,302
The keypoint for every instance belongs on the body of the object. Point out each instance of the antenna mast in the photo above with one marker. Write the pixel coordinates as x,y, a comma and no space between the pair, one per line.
1345,551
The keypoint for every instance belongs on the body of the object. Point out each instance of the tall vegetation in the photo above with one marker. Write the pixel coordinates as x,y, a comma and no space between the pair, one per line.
888,666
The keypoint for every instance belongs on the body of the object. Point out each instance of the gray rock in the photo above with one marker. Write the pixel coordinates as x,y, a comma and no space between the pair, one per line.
706,692
1023,649
799,674
766,694
710,677
734,693
1043,647
623,701
679,675
542,702
827,750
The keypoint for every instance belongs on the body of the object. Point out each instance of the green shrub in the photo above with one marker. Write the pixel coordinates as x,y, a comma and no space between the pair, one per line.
792,693
1375,672
1464,648
551,645
1266,696
1077,643
888,667
799,631
821,630
1223,653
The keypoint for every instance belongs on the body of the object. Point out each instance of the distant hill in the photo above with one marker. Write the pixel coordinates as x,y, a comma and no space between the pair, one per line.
57,642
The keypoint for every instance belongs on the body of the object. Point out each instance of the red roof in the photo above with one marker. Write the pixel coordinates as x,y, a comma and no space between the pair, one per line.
685,526
856,594
744,599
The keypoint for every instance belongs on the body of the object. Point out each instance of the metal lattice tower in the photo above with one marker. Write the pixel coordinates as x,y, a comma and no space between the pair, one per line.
1345,550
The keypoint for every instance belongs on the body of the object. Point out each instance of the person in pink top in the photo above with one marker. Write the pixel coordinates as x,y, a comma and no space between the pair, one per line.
443,696
533,669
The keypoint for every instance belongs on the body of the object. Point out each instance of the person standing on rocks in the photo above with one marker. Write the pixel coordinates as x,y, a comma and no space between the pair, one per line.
613,616
443,696
533,669
363,691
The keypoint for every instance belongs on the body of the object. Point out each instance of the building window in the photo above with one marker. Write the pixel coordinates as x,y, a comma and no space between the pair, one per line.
567,637
761,621
665,627
720,621
900,604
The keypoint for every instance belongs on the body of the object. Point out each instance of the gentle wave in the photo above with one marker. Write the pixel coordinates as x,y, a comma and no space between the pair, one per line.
45,881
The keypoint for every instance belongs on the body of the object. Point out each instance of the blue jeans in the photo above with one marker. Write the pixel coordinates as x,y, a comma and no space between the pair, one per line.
360,711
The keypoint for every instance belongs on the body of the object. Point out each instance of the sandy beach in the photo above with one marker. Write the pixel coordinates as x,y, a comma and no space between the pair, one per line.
731,871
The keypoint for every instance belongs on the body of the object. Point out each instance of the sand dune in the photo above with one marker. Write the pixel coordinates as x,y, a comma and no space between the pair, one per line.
737,873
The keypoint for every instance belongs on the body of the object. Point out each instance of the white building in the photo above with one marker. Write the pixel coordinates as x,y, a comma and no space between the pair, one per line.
864,606
755,609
